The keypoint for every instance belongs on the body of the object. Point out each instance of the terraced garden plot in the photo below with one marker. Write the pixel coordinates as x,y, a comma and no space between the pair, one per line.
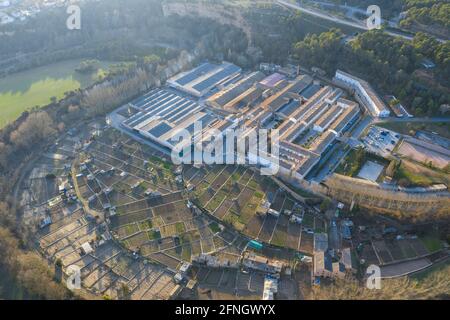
233,189
186,252
235,221
127,267
207,245
89,268
60,221
425,245
86,193
61,233
105,285
268,228
219,242
83,262
237,174
166,260
279,202
149,248
144,286
220,180
280,235
223,209
106,251
95,276
189,172
308,221
244,198
216,201
408,251
306,243
172,229
382,251
165,199
395,250
227,235
196,179
368,254
127,218
246,177
145,225
319,225
137,240
254,226
168,212
167,243
134,206
213,277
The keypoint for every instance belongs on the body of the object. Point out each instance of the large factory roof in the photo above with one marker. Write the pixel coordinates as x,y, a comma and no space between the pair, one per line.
201,80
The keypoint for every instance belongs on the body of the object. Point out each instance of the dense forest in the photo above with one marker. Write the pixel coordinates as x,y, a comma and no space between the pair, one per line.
390,64
432,13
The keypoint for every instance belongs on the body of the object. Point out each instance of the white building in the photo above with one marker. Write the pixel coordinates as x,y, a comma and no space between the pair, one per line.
270,288
364,93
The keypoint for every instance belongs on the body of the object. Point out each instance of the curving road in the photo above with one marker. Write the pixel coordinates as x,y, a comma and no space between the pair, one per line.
326,16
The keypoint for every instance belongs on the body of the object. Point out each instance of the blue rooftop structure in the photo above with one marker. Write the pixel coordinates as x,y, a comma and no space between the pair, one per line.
201,80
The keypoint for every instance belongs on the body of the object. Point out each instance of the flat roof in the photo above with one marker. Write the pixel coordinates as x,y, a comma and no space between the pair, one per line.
272,80
204,77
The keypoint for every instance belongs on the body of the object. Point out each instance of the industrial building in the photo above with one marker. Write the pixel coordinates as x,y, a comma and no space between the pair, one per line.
201,80
256,262
363,92
161,113
225,99
310,117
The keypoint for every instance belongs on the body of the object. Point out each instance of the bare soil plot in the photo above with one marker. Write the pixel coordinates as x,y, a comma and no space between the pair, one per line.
424,155
254,226
418,246
220,180
223,209
166,260
246,177
307,242
383,251
368,254
267,229
120,220
280,235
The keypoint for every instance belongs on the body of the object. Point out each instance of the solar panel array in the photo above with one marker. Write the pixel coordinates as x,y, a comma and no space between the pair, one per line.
164,104
217,78
196,73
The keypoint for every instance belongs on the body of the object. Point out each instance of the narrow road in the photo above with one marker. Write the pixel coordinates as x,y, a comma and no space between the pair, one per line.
429,120
329,17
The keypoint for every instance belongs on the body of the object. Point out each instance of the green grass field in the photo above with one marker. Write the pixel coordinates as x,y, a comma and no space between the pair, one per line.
24,90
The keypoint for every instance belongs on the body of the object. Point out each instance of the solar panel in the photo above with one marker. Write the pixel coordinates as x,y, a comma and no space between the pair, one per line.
289,108
196,73
160,129
217,78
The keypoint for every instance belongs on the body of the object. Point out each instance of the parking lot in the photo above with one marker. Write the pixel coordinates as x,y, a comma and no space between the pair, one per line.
381,141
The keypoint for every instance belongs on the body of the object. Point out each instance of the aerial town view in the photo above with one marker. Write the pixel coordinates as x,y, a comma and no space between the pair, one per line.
191,150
